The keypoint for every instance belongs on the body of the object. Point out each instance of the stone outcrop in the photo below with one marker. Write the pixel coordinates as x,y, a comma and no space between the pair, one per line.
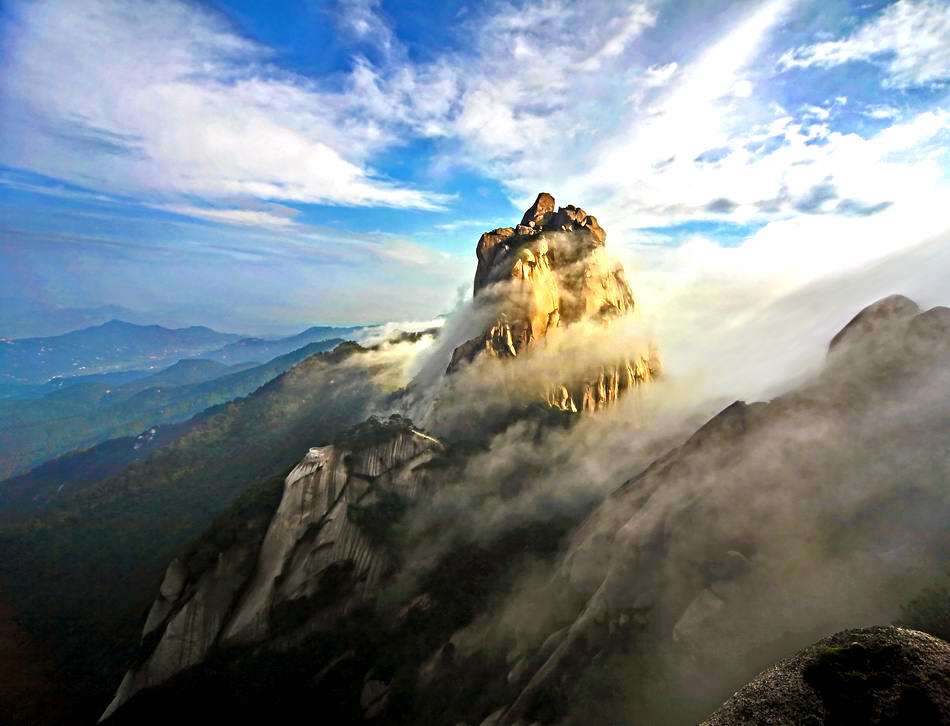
325,527
882,675
548,273
890,311
324,551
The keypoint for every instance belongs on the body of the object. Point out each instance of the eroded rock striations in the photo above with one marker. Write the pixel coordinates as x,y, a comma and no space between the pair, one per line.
324,551
548,273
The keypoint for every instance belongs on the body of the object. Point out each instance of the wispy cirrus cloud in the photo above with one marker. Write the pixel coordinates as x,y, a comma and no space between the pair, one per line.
272,216
910,39
720,127
165,99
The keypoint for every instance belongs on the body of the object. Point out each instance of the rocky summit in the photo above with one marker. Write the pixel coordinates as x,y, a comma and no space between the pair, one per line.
547,274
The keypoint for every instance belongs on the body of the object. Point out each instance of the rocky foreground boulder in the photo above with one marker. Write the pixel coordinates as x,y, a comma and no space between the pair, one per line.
548,273
870,676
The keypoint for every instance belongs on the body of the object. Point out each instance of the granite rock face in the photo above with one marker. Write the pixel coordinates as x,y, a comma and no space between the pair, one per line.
316,534
771,525
323,552
548,273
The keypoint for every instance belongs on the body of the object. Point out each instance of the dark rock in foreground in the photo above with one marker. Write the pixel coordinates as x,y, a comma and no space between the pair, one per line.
881,675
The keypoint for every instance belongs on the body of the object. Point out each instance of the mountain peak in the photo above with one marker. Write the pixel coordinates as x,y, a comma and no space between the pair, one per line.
544,204
878,315
550,272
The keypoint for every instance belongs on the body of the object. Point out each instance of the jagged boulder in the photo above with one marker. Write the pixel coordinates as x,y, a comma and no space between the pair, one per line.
550,272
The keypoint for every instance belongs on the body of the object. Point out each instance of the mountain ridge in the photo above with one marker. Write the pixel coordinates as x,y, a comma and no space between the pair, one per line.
122,530
36,360
86,414
586,625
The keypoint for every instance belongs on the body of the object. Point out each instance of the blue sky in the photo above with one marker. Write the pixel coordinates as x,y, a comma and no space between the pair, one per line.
263,166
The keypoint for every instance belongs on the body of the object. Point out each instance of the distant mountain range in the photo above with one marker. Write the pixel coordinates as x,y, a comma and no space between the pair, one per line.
112,346
21,318
120,347
121,524
257,349
85,413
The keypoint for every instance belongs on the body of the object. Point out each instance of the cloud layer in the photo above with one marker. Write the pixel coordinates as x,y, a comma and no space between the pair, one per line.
781,140
164,98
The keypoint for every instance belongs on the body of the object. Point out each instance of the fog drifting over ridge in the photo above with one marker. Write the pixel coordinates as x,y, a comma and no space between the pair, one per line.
741,335
833,501
723,333
722,337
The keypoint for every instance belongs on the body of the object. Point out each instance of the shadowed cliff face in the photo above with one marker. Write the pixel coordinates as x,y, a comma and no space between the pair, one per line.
550,285
539,279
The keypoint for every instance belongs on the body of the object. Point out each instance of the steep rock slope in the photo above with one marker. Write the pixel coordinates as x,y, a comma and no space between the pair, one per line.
772,524
102,549
543,276
882,675
324,550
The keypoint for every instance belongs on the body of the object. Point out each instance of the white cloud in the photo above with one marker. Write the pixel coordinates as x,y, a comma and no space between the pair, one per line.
242,217
483,224
361,17
883,112
781,295
644,173
550,95
827,199
530,78
911,39
660,75
742,88
164,99
411,253
618,33
695,153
